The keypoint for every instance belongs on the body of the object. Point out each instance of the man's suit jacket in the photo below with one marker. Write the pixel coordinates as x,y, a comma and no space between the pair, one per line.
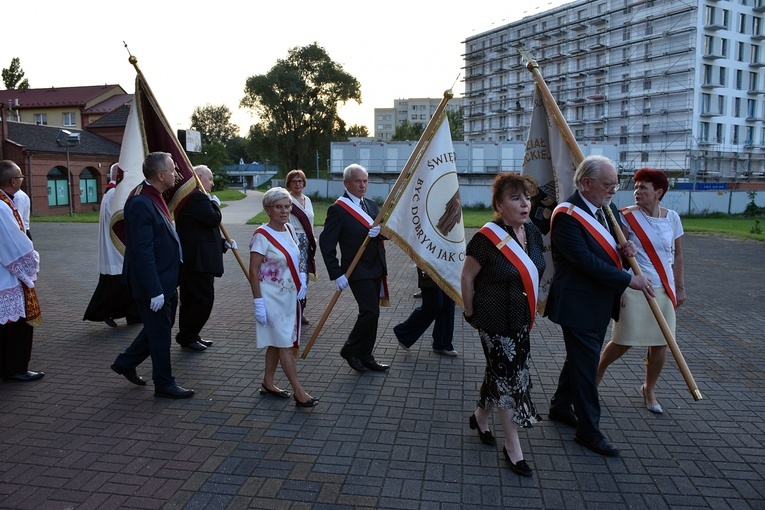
152,254
340,228
198,226
587,286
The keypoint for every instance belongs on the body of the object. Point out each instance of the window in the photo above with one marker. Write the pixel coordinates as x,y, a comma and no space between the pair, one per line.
706,102
752,81
742,23
648,28
735,135
68,119
647,106
644,157
626,34
723,73
704,132
625,83
88,187
647,81
646,135
58,187
739,79
756,26
737,107
719,133
41,119
740,52
751,108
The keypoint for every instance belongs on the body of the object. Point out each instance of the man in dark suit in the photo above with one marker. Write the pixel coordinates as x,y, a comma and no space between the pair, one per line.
349,222
152,267
198,226
585,295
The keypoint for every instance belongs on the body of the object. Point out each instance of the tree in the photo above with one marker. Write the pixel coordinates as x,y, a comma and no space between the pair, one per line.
214,122
13,76
358,131
214,156
297,103
456,124
406,131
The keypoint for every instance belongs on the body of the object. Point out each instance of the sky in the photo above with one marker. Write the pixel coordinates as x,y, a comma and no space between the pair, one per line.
195,52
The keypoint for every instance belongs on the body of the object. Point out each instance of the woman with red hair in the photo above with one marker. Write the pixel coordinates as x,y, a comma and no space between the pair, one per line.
656,231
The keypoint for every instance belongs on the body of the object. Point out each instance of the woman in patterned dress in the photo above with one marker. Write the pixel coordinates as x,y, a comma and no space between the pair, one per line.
301,219
497,304
276,291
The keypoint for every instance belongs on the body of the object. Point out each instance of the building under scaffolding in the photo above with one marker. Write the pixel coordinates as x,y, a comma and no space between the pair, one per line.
678,85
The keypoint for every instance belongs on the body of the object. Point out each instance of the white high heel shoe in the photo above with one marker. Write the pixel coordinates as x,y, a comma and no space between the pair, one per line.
655,408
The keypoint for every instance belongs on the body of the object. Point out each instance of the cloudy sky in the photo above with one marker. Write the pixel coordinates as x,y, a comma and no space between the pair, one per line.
193,53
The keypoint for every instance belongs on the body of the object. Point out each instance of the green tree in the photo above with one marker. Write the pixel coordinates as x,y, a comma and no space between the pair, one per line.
297,103
13,76
214,122
214,156
406,131
358,131
456,124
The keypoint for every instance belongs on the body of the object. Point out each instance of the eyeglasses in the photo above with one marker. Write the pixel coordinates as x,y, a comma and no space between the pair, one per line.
296,181
18,177
612,187
280,207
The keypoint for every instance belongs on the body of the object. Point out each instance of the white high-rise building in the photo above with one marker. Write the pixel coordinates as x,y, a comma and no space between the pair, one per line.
678,84
413,110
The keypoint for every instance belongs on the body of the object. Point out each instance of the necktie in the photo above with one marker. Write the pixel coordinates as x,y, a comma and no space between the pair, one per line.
364,206
601,218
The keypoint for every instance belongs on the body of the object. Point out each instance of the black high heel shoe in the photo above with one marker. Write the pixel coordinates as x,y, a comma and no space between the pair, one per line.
520,468
485,437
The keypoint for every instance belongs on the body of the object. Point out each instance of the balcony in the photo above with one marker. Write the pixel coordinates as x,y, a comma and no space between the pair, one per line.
759,6
713,54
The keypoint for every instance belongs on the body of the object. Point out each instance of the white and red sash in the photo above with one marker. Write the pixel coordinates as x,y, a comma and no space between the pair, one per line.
595,229
519,259
292,263
648,238
355,210
358,213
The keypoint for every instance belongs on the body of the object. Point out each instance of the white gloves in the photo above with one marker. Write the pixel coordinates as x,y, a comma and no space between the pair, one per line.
215,199
374,231
260,311
303,286
157,303
341,282
231,245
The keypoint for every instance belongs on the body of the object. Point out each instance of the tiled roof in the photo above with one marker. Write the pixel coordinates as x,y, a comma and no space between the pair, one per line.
109,104
43,139
115,118
55,96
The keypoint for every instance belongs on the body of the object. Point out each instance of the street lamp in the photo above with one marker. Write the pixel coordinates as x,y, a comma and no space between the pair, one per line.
68,139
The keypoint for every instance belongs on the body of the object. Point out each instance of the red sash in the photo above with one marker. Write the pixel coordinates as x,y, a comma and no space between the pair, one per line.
647,236
154,195
601,235
292,264
520,260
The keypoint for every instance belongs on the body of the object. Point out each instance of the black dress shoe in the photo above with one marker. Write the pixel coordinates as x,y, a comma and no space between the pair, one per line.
520,467
598,445
173,391
565,416
373,365
206,343
110,322
353,362
486,436
26,376
195,346
129,374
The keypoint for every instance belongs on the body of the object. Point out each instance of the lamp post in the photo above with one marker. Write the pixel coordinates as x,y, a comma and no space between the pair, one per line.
68,139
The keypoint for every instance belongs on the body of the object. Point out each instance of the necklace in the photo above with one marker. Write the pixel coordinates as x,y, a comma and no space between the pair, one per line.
510,230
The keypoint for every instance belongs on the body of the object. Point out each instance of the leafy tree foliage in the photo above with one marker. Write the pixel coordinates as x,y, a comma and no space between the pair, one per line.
296,103
13,76
456,124
214,156
214,122
357,130
406,131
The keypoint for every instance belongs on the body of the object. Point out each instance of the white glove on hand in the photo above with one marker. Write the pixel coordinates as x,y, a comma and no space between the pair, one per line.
303,286
215,199
341,282
157,303
231,245
374,231
260,311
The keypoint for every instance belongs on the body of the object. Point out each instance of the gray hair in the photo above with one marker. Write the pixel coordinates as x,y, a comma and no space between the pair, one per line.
7,171
204,169
348,171
590,167
153,164
273,195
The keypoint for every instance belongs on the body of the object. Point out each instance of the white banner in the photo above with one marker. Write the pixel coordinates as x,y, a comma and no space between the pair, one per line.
426,220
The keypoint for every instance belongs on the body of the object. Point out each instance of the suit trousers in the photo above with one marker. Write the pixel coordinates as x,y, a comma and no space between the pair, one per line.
197,293
361,339
15,347
153,340
577,382
436,306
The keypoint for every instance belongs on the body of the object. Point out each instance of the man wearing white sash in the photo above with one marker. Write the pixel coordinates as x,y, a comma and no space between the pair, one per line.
584,295
657,232
349,221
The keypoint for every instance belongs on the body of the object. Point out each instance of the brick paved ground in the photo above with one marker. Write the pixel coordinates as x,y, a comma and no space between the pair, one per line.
84,437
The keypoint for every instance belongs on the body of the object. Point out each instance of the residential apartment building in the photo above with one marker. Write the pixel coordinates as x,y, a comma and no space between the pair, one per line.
679,85
414,110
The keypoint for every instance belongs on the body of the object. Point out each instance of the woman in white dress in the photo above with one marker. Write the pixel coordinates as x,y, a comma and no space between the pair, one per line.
656,231
277,286
301,219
